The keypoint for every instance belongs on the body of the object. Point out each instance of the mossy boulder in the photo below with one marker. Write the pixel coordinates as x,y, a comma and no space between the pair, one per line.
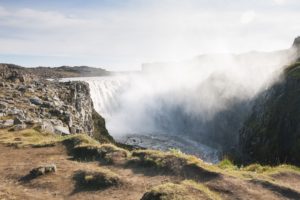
96,179
186,190
174,163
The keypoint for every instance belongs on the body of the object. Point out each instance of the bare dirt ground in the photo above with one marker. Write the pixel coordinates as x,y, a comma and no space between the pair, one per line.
16,163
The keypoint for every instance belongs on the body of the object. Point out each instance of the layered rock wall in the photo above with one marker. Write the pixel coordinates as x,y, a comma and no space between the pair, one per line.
55,107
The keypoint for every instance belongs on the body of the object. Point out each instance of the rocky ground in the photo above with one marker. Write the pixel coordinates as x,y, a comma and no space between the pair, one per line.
87,169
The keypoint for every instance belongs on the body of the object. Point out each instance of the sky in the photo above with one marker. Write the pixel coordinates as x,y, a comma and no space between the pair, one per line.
123,34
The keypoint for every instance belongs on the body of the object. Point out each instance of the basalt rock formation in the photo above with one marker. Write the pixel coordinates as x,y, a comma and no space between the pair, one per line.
27,100
271,134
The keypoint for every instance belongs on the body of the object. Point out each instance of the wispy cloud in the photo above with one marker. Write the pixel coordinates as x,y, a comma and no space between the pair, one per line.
144,32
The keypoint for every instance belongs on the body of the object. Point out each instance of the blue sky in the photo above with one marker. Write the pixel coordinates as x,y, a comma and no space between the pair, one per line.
122,34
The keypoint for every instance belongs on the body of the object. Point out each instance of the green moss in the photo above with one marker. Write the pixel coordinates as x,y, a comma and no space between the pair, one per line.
257,168
226,164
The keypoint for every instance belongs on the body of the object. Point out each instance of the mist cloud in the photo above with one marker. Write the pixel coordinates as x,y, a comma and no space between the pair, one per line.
187,97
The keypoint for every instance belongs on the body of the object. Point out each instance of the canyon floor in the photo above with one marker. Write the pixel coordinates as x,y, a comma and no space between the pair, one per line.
141,174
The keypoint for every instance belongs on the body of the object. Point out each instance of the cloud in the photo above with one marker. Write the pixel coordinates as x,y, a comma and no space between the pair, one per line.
248,17
280,2
126,36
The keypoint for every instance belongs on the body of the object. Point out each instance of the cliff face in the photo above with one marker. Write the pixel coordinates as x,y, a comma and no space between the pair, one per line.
26,100
272,132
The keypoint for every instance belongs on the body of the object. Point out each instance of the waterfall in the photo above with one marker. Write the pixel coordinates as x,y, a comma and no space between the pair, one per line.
104,93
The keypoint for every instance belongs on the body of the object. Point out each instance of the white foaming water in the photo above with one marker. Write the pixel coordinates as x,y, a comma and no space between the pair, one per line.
105,91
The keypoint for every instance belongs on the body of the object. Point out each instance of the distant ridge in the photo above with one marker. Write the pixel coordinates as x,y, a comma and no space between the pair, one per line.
60,72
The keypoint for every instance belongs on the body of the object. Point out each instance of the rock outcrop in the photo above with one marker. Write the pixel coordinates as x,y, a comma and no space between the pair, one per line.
296,45
272,133
63,108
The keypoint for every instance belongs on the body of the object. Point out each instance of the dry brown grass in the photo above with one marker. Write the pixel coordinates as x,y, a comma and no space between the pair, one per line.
186,190
27,137
96,179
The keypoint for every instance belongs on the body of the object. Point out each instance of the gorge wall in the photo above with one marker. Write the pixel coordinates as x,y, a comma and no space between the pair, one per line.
271,134
28,100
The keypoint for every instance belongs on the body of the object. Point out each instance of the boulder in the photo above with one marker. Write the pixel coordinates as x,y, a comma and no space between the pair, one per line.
16,112
22,89
42,170
3,105
36,101
47,126
47,104
17,121
19,127
61,130
68,119
6,123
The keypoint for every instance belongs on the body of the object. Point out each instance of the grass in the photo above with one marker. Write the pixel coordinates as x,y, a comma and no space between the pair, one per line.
190,167
226,164
6,117
266,169
27,137
167,191
186,190
210,194
160,159
101,152
255,170
85,148
175,163
77,140
81,146
96,179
